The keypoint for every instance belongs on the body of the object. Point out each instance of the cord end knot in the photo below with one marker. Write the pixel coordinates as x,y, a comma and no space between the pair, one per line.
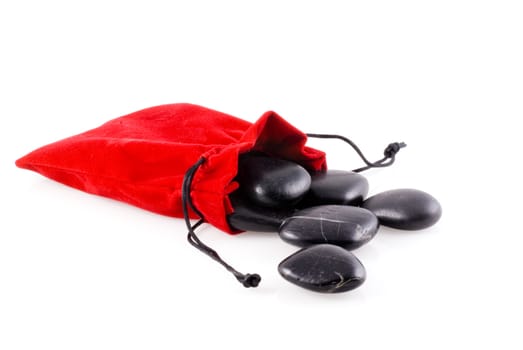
393,148
249,280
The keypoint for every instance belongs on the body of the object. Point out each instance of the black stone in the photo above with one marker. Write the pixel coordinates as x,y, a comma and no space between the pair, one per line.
405,209
323,268
250,217
271,182
336,187
345,226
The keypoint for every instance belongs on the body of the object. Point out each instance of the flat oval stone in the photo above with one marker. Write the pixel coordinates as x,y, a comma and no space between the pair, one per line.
250,217
405,209
323,268
271,182
337,187
341,225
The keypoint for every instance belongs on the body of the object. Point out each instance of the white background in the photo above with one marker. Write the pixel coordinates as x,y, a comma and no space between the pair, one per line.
83,272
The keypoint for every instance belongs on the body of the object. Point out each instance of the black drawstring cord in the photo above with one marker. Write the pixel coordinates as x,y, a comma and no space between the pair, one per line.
248,280
389,152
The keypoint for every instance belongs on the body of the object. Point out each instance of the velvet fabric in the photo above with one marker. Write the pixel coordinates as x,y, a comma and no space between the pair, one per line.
141,158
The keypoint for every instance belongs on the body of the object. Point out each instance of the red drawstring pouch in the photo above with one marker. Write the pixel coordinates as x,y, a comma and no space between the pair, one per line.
178,160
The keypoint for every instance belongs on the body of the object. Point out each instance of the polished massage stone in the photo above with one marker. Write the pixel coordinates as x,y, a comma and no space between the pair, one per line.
271,182
336,187
323,268
250,217
404,209
341,225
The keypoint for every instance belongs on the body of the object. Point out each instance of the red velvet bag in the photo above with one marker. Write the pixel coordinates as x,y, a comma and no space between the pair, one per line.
178,160
141,158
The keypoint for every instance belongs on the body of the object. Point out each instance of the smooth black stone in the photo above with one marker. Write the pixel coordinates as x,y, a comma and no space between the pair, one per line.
249,217
404,209
341,225
271,182
336,187
323,268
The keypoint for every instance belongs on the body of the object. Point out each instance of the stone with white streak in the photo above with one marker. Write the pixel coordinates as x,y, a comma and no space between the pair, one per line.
323,268
344,226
